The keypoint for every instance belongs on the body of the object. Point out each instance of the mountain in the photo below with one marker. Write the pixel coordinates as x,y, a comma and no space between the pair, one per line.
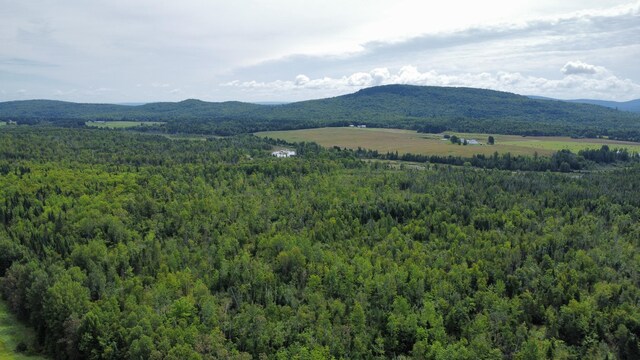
632,106
191,108
424,108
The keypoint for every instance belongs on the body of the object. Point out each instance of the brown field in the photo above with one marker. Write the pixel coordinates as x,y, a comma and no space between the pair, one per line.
408,141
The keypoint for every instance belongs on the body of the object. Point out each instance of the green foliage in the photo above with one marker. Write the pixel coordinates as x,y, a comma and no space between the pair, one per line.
561,161
117,245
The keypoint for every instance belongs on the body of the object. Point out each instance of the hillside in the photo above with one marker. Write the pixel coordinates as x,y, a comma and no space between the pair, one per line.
51,109
632,105
414,107
427,102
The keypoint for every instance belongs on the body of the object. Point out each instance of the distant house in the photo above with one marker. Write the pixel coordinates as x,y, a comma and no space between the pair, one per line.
473,142
351,125
283,153
362,126
11,122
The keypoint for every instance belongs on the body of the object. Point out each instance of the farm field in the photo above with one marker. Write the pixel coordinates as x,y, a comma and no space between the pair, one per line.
121,124
408,141
11,333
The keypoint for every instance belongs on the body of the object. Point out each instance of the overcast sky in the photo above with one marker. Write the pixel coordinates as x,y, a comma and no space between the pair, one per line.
270,50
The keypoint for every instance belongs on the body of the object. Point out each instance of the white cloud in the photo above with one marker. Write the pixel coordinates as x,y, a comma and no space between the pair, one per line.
578,67
537,46
301,80
603,86
379,75
360,79
143,49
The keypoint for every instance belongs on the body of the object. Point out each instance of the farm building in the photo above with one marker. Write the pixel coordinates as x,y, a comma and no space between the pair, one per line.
283,153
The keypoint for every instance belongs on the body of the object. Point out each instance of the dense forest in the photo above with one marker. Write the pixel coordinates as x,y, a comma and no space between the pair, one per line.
118,245
632,105
562,161
422,108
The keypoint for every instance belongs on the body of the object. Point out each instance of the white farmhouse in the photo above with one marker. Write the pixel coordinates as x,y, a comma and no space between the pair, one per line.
283,153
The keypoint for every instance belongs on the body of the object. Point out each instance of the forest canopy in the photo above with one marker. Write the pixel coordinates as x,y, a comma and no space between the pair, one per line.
120,245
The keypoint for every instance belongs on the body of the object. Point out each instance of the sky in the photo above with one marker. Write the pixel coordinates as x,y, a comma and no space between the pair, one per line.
119,51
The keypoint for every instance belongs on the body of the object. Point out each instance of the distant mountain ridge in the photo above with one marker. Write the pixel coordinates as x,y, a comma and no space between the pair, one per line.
425,108
399,100
632,105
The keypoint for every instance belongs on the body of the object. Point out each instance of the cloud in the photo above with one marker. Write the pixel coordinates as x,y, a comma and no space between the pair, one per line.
379,75
301,80
536,45
578,67
570,31
360,79
604,86
195,45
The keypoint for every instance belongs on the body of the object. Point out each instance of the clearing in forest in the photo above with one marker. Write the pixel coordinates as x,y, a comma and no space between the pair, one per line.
12,332
409,141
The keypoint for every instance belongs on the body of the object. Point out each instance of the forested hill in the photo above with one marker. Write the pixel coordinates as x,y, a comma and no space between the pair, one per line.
428,102
633,105
416,107
187,109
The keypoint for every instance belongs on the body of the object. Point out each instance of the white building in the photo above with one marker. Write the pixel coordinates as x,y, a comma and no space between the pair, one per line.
283,153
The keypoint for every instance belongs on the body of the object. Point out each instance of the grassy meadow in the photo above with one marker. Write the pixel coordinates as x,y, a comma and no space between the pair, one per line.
12,332
408,141
120,124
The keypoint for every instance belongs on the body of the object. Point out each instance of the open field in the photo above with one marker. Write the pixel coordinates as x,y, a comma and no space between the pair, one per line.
408,141
13,332
120,124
